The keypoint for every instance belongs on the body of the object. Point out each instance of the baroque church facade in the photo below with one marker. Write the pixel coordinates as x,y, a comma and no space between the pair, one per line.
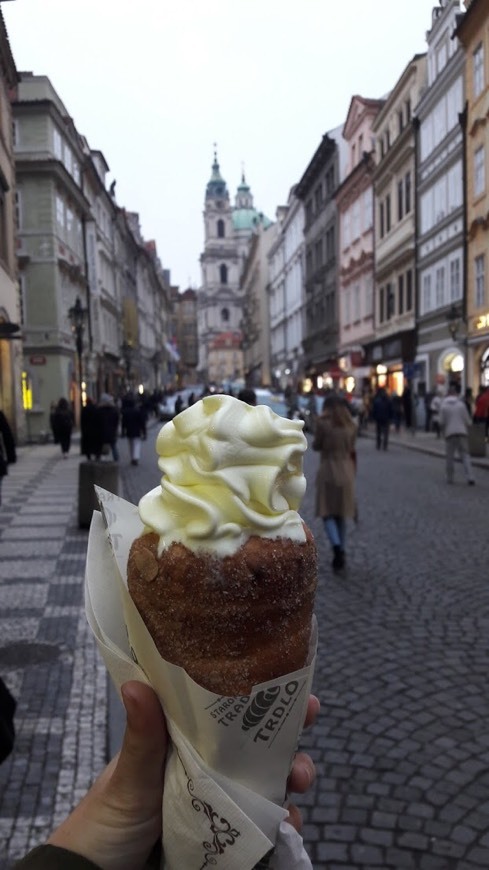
228,230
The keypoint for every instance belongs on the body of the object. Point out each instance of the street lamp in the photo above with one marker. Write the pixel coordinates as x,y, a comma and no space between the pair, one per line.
127,352
454,320
77,315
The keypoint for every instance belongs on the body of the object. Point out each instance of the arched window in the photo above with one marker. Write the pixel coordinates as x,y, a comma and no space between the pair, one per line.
223,273
225,315
220,229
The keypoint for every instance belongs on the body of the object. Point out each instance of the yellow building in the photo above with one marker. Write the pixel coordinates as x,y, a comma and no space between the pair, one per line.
473,32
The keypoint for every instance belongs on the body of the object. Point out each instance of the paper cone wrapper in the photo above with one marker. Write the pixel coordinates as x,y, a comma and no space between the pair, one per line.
225,779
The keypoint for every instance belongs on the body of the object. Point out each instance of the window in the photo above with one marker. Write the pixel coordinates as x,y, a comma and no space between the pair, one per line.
347,307
330,181
356,220
381,220
407,192
409,290
479,171
60,211
318,198
15,133
223,274
400,121
346,229
356,303
330,245
318,254
391,302
478,70
426,293
408,109
367,209
368,296
480,281
58,144
400,200
440,286
220,229
18,208
455,280
387,212
225,315
400,293
381,305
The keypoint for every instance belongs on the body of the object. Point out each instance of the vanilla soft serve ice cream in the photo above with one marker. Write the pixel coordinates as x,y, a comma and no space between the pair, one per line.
230,471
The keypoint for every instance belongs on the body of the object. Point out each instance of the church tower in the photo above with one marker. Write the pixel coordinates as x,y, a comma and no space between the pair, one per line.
228,231
219,297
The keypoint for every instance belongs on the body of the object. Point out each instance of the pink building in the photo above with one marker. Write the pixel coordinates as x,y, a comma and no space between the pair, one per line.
354,200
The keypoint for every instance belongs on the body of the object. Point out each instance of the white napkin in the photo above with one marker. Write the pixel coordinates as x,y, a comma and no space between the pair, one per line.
224,784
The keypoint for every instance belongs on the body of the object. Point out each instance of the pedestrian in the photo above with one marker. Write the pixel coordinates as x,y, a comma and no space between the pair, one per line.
52,411
63,426
248,395
178,404
435,406
119,821
335,438
454,423
91,436
481,409
190,400
109,424
8,453
382,416
133,427
409,409
396,404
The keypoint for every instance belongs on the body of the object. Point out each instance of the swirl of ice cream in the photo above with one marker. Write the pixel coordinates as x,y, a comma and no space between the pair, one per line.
230,470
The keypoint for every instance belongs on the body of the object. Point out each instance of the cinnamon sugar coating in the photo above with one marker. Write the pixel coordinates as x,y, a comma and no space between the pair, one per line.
230,622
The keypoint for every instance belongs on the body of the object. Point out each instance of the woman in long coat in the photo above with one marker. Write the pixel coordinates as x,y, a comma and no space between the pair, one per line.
335,438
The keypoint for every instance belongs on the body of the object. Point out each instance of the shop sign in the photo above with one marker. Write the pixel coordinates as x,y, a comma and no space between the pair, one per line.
37,360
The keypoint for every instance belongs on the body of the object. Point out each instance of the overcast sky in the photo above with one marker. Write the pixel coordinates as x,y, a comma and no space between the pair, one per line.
154,83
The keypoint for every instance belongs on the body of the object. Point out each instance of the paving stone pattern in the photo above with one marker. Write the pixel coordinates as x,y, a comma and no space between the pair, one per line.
402,743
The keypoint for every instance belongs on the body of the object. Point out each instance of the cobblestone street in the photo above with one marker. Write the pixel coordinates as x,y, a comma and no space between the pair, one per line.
402,744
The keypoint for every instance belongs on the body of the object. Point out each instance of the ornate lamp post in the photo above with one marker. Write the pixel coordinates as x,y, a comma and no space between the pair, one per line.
454,320
77,315
127,352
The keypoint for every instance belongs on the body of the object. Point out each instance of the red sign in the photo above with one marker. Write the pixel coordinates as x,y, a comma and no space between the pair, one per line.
37,360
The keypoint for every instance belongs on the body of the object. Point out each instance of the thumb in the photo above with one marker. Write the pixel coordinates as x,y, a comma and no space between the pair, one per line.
140,765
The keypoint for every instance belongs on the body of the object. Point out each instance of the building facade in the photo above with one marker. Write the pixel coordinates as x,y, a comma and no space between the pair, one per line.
354,201
316,190
473,32
440,206
286,295
391,355
256,308
10,312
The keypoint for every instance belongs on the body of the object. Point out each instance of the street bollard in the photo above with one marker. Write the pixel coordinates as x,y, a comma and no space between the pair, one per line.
90,474
477,439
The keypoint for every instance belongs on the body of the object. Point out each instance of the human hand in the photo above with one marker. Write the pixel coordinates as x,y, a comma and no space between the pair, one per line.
119,820
303,771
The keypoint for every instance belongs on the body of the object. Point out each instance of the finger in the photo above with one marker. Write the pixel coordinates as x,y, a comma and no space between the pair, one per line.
143,751
312,712
294,818
303,773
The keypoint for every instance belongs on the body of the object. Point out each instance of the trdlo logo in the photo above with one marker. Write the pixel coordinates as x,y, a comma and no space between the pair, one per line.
274,704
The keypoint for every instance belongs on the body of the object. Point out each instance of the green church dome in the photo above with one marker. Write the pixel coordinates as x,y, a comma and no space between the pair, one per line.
249,219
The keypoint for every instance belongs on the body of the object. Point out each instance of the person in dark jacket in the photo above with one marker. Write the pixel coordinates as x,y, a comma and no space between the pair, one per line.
63,426
8,454
382,415
109,423
119,821
90,427
133,427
